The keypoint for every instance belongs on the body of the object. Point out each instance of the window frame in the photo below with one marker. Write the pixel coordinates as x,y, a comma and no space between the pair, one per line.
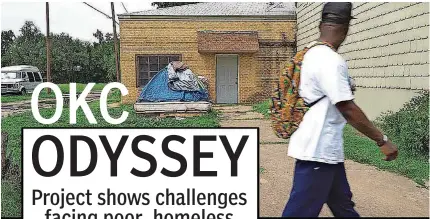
38,75
32,76
137,65
24,75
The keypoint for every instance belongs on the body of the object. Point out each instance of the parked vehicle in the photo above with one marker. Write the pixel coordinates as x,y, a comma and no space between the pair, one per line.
20,79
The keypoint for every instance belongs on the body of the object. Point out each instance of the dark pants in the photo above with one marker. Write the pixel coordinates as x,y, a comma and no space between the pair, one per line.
317,183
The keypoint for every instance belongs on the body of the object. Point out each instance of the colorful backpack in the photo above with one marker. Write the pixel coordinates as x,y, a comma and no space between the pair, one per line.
287,107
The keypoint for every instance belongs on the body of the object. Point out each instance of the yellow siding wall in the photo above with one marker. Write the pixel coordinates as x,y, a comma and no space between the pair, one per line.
140,37
387,50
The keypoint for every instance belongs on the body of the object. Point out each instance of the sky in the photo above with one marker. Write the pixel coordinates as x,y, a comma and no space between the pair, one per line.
74,18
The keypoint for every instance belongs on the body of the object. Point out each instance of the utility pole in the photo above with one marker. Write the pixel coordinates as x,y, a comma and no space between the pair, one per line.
48,48
115,41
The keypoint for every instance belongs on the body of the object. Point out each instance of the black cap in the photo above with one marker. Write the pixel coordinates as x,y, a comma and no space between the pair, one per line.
337,12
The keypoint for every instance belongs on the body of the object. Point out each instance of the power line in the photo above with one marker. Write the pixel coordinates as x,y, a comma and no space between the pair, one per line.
99,11
124,7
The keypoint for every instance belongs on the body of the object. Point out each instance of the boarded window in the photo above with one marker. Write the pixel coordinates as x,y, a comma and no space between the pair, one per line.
149,65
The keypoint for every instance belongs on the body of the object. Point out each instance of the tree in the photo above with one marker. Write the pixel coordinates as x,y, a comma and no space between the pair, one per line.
28,48
103,62
99,35
96,60
103,58
171,4
67,53
7,38
29,30
109,37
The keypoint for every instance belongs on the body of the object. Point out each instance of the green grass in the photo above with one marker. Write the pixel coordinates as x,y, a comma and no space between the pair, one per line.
13,124
10,199
262,170
44,95
80,87
263,108
15,97
363,150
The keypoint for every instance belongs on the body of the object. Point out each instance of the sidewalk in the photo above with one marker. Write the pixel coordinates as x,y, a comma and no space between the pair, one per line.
376,193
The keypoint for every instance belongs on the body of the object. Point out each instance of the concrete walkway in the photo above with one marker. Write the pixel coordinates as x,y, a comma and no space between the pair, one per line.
376,193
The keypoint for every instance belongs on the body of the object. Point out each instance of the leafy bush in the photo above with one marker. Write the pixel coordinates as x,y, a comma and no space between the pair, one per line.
409,127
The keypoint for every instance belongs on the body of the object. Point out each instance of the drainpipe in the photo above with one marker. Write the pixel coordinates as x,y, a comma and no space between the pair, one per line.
295,30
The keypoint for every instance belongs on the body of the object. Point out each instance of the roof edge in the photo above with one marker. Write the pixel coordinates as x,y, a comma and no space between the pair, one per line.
206,17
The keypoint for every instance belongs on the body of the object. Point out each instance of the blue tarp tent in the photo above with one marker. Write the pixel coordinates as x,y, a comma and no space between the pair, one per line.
157,90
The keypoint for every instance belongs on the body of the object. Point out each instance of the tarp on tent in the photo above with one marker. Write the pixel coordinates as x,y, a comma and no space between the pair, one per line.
182,79
157,90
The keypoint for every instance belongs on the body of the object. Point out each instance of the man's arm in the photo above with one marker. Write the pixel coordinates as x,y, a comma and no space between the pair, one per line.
355,117
335,85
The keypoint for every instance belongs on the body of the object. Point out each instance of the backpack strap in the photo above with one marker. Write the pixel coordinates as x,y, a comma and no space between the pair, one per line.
315,102
309,46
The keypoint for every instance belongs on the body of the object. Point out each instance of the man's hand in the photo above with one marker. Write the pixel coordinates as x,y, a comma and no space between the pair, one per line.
390,151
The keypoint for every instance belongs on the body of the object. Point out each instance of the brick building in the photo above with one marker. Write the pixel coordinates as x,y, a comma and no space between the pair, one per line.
387,50
239,47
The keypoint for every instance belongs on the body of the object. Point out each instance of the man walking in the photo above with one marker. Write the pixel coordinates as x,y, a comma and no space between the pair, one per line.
317,145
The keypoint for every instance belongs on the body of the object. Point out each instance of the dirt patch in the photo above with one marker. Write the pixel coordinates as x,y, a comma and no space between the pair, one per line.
276,180
376,193
381,193
266,133
114,105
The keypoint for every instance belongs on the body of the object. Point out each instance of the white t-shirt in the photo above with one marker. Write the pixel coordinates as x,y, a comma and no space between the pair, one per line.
319,136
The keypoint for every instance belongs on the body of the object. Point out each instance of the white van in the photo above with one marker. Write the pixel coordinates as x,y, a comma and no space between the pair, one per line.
20,79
